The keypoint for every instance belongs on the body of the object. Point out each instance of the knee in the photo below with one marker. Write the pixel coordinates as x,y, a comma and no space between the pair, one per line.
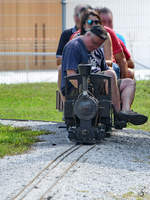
111,73
130,73
131,82
128,82
59,69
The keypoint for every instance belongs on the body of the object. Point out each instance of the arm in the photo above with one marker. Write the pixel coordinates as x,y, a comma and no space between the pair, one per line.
64,38
72,56
108,50
118,53
74,82
60,47
130,63
121,61
58,61
127,55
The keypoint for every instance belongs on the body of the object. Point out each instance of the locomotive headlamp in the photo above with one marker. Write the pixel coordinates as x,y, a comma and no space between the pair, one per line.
85,107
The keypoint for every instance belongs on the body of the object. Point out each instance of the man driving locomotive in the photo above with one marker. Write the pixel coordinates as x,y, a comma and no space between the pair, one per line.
85,49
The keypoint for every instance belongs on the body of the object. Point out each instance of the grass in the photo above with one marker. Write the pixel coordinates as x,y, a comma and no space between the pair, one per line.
131,195
17,140
36,101
141,103
25,101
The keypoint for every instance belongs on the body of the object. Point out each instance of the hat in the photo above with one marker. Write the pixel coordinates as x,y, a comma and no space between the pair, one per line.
99,31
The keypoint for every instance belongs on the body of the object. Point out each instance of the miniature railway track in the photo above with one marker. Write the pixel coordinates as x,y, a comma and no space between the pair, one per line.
47,178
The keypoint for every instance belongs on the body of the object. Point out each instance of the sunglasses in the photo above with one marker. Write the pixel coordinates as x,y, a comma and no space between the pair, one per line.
90,22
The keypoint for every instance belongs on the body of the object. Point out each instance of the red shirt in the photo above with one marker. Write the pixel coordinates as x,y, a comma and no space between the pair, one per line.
117,45
115,41
75,34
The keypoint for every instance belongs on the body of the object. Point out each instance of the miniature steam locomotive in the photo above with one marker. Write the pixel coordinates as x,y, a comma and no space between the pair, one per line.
88,112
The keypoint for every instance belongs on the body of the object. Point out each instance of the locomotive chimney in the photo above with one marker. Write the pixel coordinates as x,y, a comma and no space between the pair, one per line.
84,71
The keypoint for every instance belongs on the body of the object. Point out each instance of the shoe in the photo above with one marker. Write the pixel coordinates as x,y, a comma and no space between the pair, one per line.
132,117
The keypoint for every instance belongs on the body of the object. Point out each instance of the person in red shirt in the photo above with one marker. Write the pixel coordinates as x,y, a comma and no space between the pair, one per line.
107,20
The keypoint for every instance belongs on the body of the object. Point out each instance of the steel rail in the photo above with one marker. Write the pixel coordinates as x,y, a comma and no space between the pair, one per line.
19,197
65,172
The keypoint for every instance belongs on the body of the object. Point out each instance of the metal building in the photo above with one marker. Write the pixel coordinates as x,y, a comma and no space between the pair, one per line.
29,26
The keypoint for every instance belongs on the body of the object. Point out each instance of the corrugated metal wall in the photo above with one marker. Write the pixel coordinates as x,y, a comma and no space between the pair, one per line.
29,26
131,19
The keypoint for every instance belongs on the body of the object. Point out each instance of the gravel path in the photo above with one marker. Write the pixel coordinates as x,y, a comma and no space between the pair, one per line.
117,168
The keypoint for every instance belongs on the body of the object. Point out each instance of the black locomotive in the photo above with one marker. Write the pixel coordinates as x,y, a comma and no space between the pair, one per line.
88,111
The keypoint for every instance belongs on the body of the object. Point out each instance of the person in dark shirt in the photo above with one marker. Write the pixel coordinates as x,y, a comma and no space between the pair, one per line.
65,37
78,51
66,34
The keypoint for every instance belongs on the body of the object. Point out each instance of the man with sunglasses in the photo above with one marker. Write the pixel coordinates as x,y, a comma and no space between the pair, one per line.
80,50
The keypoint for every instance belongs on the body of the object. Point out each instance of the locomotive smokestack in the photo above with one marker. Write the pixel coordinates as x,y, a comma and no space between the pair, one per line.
84,71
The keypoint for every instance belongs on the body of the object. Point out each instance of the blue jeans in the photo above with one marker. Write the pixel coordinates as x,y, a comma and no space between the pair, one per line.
116,69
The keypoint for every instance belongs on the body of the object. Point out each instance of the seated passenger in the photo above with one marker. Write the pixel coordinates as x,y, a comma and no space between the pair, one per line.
66,34
107,21
78,51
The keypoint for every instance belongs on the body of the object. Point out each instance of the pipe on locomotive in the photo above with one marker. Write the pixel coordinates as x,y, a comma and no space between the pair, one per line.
84,71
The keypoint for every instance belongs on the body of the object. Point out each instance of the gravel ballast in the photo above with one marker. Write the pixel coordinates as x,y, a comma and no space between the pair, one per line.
117,168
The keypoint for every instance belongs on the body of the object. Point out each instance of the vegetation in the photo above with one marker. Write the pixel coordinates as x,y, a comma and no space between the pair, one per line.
33,101
25,101
36,101
132,195
17,140
141,103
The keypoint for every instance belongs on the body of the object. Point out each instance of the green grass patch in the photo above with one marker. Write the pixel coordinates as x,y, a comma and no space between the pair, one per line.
37,101
130,196
141,103
33,101
17,140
